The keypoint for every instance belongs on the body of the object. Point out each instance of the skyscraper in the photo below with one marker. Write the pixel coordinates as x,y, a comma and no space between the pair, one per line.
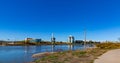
71,39
53,39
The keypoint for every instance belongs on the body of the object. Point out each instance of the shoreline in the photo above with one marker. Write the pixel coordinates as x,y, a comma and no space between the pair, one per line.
85,56
43,54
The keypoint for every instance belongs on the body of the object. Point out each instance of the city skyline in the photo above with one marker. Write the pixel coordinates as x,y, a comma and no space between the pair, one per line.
38,19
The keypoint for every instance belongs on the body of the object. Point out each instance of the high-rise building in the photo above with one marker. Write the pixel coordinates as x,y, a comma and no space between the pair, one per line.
71,39
53,38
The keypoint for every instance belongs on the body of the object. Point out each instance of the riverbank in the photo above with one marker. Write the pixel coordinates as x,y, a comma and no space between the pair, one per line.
41,55
79,56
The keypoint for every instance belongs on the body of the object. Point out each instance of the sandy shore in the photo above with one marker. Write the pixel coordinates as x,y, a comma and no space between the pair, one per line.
38,55
112,56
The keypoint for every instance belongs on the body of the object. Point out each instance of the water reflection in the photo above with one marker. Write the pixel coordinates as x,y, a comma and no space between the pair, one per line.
30,49
23,54
70,47
53,48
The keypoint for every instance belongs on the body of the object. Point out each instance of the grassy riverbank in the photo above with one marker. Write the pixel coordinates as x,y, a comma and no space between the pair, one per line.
79,56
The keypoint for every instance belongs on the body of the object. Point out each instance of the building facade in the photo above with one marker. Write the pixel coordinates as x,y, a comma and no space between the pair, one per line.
79,42
37,40
71,39
53,39
28,40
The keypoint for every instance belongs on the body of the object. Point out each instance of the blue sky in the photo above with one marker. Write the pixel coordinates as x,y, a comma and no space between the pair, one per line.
39,18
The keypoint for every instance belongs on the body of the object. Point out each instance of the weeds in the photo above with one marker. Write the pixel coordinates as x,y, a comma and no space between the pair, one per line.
78,56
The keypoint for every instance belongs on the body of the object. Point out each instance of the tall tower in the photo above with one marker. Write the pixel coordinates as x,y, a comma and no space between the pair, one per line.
85,38
53,39
71,39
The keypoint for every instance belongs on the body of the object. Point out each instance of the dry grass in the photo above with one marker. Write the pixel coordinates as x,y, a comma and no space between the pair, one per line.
79,56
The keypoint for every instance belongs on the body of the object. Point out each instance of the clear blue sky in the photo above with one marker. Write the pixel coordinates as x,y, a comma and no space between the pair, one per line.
39,18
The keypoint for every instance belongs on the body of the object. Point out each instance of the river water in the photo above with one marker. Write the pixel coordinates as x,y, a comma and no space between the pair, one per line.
23,54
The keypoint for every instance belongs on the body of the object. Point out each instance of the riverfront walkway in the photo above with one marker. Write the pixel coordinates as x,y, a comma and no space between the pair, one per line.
112,56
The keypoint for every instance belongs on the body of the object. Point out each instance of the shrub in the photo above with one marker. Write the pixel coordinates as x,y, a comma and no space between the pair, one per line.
108,45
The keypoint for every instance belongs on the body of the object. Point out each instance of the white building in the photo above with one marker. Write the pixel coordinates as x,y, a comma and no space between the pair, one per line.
71,39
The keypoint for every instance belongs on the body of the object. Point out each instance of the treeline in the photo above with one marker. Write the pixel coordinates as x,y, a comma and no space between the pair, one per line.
87,42
23,43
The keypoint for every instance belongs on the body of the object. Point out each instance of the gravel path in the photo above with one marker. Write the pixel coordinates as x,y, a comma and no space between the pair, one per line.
112,56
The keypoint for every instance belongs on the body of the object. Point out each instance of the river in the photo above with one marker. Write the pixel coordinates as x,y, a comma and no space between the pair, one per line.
23,54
